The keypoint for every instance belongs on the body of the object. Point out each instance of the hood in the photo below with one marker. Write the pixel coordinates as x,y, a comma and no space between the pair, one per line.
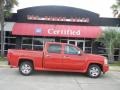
94,57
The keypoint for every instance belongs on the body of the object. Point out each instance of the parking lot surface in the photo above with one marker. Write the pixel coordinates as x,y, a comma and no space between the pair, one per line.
10,79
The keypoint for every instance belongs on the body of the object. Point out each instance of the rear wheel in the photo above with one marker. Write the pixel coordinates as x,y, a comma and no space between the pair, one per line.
26,68
94,71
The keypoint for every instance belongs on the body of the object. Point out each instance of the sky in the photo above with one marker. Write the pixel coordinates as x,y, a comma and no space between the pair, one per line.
102,7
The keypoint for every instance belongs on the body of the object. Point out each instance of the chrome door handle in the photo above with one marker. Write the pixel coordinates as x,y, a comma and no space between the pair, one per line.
66,57
47,55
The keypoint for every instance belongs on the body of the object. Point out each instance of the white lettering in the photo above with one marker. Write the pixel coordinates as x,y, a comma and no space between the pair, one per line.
64,32
50,31
78,32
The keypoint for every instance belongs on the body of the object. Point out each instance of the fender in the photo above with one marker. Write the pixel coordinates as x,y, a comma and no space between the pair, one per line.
92,62
24,58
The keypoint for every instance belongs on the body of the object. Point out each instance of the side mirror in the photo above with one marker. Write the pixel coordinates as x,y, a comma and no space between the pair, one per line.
79,52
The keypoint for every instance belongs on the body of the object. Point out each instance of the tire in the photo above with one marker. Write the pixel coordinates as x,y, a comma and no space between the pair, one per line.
26,68
94,71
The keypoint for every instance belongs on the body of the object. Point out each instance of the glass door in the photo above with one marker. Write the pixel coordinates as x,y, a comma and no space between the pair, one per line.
73,42
79,43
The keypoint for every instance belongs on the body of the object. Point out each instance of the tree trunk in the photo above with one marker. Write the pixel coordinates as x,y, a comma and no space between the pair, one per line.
2,28
110,58
110,55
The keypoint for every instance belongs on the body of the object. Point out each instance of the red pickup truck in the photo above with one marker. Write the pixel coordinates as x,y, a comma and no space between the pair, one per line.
57,57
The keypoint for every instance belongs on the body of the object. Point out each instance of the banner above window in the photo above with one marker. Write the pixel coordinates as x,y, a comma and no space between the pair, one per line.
27,29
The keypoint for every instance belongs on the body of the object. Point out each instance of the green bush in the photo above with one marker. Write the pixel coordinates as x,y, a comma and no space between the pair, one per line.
2,59
116,63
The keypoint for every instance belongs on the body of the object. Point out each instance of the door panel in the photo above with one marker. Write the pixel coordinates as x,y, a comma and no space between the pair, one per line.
73,62
52,58
53,61
71,59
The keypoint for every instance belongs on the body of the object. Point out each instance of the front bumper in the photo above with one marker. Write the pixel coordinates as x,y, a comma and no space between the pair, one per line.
105,68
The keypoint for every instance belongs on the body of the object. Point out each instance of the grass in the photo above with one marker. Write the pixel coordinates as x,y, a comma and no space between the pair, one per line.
116,63
2,59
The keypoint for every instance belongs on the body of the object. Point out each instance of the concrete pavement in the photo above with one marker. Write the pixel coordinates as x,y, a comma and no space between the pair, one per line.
10,79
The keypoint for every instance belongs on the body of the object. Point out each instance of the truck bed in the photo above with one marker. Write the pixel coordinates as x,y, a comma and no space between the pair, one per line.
15,55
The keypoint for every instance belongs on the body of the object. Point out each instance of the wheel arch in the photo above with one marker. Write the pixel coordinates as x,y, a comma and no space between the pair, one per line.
24,60
100,65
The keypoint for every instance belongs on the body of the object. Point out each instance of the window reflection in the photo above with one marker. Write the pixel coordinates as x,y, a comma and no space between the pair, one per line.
26,40
70,50
37,41
54,48
38,48
27,47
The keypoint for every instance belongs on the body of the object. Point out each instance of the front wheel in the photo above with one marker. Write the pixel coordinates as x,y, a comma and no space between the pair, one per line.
94,71
26,68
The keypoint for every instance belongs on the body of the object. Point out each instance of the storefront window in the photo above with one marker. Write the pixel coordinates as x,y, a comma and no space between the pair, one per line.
10,40
27,47
35,47
27,43
8,34
9,46
88,50
37,44
49,40
88,43
34,43
26,40
99,48
37,41
88,46
63,41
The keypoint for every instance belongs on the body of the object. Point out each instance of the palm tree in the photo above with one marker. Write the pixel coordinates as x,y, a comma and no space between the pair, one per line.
108,38
5,8
116,12
117,42
116,9
119,45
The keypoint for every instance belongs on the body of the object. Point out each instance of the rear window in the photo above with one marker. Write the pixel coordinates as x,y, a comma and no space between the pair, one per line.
54,48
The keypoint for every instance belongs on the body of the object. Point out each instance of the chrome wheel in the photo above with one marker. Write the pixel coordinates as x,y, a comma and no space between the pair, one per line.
26,68
94,71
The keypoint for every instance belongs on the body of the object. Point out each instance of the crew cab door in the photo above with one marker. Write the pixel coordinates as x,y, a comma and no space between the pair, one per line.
71,59
52,57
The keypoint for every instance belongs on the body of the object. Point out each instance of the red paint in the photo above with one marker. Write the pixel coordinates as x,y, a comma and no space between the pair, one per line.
43,60
56,30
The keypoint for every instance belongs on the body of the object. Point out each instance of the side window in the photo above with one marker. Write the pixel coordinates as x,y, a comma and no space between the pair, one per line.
70,50
54,48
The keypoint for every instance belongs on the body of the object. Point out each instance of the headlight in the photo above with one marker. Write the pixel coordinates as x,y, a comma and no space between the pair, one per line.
105,61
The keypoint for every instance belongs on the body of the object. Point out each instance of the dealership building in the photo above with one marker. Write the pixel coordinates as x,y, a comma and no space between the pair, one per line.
31,27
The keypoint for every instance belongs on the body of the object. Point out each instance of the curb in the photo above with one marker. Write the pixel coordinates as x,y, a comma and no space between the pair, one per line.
114,68
4,66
